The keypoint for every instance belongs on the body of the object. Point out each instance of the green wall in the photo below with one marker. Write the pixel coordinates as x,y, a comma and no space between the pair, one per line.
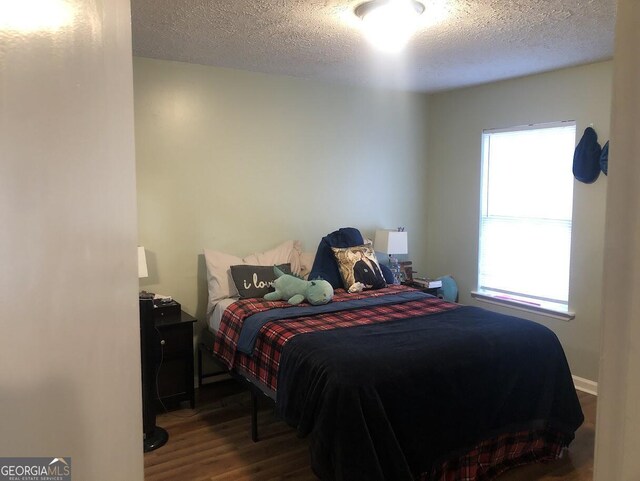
239,162
457,119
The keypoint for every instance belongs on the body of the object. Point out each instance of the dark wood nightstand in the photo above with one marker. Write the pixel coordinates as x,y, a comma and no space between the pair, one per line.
175,373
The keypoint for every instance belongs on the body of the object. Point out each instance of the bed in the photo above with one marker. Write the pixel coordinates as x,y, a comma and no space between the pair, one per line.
396,384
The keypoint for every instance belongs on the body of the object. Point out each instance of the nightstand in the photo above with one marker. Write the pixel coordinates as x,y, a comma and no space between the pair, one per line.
175,372
429,290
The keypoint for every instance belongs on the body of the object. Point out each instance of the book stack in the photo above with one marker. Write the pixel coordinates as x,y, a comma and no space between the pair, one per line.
427,283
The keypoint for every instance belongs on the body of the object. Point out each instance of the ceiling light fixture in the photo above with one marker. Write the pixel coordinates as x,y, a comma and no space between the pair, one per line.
389,24
35,15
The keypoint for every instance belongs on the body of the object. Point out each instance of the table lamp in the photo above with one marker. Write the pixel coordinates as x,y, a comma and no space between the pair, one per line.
142,263
392,242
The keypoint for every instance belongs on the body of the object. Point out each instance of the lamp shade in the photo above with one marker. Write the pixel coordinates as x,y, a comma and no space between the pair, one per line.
142,263
391,242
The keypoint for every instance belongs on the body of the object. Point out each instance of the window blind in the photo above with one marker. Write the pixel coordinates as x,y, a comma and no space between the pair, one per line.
526,217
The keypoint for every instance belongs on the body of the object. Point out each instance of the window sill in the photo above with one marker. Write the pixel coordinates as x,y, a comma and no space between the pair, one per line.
520,306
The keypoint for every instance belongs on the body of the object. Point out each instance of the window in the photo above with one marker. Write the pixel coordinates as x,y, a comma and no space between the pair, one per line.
525,225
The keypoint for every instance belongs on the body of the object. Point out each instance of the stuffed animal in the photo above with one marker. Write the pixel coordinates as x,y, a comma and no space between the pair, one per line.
295,290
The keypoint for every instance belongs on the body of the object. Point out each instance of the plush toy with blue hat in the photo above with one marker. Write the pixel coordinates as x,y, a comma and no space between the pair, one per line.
295,290
586,158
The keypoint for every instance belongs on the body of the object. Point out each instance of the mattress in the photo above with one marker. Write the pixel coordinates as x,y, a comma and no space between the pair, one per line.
218,311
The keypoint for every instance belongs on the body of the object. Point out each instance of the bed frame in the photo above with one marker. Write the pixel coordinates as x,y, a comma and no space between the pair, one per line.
255,392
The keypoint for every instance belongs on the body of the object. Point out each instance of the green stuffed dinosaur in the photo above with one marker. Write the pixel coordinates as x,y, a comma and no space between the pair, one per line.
295,290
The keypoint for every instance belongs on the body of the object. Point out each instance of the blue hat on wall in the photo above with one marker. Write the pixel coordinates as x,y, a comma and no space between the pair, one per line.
604,158
586,158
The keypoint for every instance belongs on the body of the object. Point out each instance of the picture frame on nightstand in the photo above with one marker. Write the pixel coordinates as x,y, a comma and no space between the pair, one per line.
406,272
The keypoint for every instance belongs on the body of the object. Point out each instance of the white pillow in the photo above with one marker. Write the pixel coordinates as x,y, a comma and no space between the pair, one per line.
306,263
219,280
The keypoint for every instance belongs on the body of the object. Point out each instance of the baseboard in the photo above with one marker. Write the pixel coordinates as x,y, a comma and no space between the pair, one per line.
585,385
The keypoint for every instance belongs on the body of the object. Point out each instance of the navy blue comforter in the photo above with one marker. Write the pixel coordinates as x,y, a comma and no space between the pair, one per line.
389,401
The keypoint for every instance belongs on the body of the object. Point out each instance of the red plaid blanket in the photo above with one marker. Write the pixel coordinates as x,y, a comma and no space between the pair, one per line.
274,335
492,457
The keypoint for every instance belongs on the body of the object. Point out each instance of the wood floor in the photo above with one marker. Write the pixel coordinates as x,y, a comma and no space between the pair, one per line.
213,443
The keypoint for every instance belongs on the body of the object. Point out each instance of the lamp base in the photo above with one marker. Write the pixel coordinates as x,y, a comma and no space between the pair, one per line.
155,439
394,267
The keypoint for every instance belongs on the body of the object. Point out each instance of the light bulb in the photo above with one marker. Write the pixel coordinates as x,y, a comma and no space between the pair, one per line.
390,25
35,15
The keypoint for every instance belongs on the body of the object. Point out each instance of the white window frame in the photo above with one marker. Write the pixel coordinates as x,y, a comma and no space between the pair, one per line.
514,300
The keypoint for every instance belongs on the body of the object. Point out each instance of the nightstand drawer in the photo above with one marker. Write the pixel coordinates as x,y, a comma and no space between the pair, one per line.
177,339
169,312
175,372
174,379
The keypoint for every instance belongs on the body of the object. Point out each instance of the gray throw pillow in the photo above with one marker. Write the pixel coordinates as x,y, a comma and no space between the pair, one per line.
255,281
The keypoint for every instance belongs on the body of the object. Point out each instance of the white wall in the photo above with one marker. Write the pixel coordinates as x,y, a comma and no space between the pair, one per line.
69,356
240,161
618,423
457,119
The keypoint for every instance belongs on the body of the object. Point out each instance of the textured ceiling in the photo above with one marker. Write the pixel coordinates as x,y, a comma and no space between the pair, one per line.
459,43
